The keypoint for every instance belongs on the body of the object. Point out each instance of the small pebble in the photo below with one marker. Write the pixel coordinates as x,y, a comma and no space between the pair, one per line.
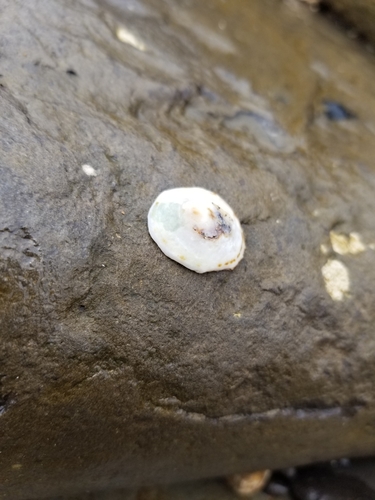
335,111
246,485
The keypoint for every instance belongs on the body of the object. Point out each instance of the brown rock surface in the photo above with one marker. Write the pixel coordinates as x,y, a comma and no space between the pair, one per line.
120,368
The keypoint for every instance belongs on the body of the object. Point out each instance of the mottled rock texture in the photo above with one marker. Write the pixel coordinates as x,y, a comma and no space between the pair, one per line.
119,367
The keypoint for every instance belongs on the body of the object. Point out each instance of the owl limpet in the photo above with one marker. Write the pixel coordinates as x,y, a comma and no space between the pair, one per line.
196,228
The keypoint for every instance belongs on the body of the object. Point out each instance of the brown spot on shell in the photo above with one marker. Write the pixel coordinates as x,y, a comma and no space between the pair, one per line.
222,227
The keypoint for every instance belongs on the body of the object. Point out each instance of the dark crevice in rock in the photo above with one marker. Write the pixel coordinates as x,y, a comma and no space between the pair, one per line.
5,402
328,11
305,412
16,103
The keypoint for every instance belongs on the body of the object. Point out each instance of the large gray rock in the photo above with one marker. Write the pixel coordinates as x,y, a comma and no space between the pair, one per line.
120,368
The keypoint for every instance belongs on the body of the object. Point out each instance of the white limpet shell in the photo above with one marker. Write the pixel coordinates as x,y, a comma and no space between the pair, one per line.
196,228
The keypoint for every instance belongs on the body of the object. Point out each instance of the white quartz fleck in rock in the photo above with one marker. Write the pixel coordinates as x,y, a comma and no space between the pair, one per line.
196,228
89,170
336,279
343,244
126,36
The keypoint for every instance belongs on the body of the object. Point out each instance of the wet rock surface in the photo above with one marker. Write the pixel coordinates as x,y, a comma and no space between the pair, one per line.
120,368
